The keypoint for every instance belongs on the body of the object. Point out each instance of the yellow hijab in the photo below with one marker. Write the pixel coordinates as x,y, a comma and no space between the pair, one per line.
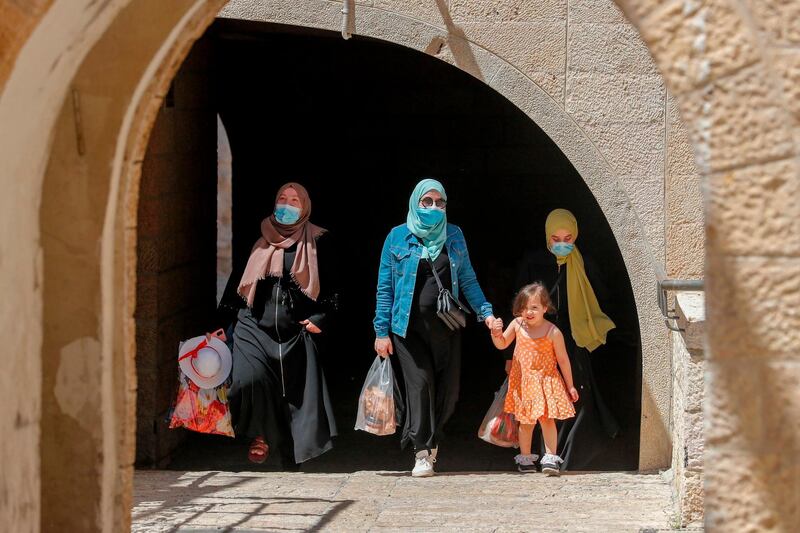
588,322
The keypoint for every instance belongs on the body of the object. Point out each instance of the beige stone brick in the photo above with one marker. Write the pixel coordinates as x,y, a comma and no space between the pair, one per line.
693,499
634,150
429,11
695,42
609,48
536,48
684,201
738,120
778,19
734,406
750,490
762,294
611,98
505,10
787,65
755,210
596,11
782,405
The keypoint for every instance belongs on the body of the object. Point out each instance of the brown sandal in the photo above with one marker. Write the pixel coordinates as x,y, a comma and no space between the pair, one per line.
259,451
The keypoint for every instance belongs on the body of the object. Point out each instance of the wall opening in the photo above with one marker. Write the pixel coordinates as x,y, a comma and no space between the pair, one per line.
358,123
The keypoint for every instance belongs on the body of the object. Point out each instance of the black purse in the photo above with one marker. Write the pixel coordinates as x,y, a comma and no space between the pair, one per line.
450,310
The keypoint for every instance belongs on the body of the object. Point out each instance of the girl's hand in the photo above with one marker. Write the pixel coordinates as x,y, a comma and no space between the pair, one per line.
310,326
489,320
497,327
383,347
508,366
573,393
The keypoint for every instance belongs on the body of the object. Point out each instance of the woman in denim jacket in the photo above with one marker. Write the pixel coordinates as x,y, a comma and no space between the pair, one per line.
406,322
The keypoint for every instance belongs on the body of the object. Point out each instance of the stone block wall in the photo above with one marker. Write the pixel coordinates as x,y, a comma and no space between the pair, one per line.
687,409
176,247
224,208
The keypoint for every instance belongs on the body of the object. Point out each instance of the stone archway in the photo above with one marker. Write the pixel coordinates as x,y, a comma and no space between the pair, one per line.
723,63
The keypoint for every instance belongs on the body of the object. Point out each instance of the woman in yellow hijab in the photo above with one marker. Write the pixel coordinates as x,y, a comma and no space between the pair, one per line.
588,322
587,439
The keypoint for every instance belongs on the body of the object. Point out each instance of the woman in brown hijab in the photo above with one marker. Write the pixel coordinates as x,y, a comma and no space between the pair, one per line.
278,393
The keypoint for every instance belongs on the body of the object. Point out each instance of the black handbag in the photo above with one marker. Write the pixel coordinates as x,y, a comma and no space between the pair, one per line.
450,310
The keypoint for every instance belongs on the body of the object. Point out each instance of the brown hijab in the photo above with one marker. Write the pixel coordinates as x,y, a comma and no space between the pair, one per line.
266,259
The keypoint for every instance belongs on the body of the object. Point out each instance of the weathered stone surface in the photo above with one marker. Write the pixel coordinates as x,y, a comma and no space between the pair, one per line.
751,489
506,10
691,310
420,9
747,101
596,11
612,99
687,412
778,20
535,48
761,292
697,42
735,409
609,48
788,67
391,501
754,205
684,216
782,401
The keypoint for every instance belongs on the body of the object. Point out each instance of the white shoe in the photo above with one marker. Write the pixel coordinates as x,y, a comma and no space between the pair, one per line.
550,464
423,467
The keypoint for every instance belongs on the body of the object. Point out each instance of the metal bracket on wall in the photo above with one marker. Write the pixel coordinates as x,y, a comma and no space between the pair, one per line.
348,18
666,285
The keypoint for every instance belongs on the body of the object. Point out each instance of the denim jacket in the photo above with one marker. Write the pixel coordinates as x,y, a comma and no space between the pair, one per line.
398,274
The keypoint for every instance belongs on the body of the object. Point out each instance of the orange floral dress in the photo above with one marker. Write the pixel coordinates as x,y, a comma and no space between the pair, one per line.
535,386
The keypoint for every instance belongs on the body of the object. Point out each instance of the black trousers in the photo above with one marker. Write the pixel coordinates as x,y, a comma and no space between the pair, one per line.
430,359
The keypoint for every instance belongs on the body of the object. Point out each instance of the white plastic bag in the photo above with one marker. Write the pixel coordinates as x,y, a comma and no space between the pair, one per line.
376,405
500,428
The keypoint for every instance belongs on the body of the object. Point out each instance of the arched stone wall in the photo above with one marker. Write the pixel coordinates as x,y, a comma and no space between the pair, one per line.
574,117
733,70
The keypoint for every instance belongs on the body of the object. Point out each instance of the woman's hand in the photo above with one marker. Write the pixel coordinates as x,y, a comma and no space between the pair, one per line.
310,326
573,394
497,327
383,347
489,321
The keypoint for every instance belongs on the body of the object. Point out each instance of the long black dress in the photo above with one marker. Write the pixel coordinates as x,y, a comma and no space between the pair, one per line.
278,388
430,358
583,441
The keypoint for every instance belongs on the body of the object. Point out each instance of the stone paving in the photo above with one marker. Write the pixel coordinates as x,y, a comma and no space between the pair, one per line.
393,501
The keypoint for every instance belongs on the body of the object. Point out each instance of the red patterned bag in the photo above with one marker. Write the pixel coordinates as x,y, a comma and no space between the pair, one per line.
201,410
499,428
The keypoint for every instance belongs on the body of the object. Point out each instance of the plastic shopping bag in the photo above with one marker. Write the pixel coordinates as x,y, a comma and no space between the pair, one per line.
376,405
499,428
201,410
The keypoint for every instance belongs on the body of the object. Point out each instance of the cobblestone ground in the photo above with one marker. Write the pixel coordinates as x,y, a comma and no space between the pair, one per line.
393,501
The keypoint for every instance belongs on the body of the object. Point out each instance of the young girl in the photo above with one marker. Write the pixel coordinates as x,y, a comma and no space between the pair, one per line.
536,391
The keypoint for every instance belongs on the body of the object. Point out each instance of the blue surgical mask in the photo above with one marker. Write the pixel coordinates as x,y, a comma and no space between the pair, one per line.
287,214
430,216
562,249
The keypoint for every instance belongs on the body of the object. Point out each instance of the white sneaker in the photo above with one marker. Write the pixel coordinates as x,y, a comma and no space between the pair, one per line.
423,466
550,464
